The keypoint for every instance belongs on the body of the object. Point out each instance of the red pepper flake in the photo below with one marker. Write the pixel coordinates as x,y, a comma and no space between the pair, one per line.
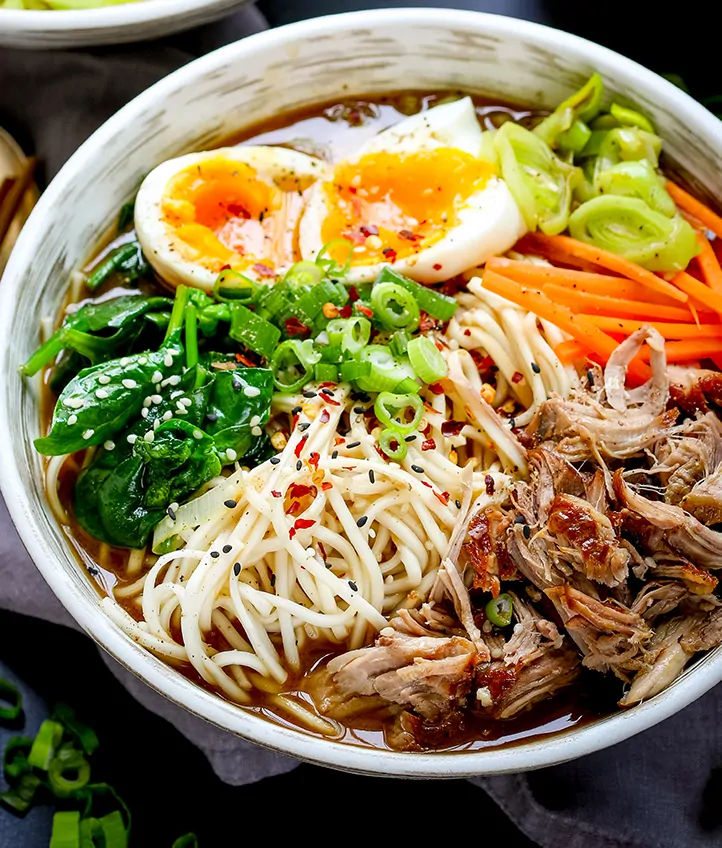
370,230
438,344
327,384
303,523
467,332
346,311
483,362
325,487
339,440
299,490
323,550
313,459
426,430
437,267
428,485
294,508
300,446
353,294
437,388
291,532
517,377
489,484
352,189
390,254
364,310
428,444
443,497
330,400
276,494
355,237
294,327
244,360
452,428
226,268
263,270
409,236
237,210
349,467
427,323
324,417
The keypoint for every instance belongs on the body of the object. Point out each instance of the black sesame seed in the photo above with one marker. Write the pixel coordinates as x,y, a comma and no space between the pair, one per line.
372,476
410,438
215,554
458,504
171,513
304,426
334,455
535,368
417,468
230,503
299,465
359,410
227,549
275,460
273,580
328,565
309,394
362,520
237,385
527,531
520,520
590,376
212,417
352,445
353,585
512,423
296,410
236,568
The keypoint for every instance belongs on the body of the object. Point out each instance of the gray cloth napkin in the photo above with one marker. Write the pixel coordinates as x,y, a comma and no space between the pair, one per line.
662,789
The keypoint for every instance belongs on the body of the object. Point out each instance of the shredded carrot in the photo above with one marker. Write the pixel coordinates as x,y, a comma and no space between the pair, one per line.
579,301
690,349
695,207
573,248
709,263
699,291
627,326
570,351
528,244
577,326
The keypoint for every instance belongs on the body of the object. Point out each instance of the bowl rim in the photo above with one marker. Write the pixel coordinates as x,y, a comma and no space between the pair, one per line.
542,751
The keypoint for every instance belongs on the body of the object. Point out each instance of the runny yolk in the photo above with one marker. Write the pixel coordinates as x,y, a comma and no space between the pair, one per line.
392,205
222,213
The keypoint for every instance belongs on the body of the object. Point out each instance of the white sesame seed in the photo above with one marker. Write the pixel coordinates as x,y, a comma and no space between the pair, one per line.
156,424
168,361
231,454
185,402
181,410
143,360
197,434
174,380
149,436
109,445
74,403
131,439
147,401
167,415
156,399
104,379
129,384
157,387
124,360
157,377
255,421
251,391
101,393
144,412
88,434
256,431
72,419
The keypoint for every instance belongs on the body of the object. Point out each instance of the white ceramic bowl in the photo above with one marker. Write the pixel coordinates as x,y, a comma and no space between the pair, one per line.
199,105
36,29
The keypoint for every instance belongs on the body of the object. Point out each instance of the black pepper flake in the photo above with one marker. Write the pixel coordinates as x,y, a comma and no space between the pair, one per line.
590,376
328,565
236,568
359,410
237,385
299,465
410,438
275,460
171,513
212,417
353,585
527,531
417,468
93,571
215,554
296,410
352,445
334,455
458,504
273,580
512,423
227,549
535,368
372,476
230,503
304,426
362,520
309,394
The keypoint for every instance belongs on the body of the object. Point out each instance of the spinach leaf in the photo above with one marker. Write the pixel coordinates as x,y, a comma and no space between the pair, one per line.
127,260
239,403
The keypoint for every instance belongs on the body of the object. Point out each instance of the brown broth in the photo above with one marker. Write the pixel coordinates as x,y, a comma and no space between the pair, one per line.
333,130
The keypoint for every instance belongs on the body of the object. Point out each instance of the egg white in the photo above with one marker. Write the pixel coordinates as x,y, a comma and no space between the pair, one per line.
489,220
161,244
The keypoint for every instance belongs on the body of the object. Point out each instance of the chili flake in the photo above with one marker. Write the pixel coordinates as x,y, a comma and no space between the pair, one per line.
294,327
489,484
437,388
452,428
299,447
428,444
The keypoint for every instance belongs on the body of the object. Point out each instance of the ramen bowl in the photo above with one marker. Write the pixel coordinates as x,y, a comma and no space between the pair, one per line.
198,106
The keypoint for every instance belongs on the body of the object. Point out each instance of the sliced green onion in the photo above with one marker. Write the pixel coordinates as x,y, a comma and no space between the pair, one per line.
293,365
15,757
233,286
631,118
335,329
330,353
93,793
252,331
20,797
331,266
437,305
66,830
393,445
637,179
90,833
407,386
393,411
10,694
539,181
583,106
304,274
576,138
326,372
352,334
395,307
399,342
604,122
500,610
386,370
628,227
114,830
353,369
188,840
67,761
85,735
627,144
44,744
110,264
426,360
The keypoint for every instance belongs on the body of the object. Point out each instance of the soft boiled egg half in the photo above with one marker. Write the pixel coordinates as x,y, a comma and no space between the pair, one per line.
236,207
418,196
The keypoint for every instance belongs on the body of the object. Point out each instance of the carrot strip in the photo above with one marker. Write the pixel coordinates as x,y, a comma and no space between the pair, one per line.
579,301
708,263
570,351
695,207
611,262
577,326
627,326
528,245
689,349
536,276
698,290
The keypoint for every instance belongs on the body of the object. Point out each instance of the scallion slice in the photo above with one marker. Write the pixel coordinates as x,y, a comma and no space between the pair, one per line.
386,370
304,273
438,305
326,372
395,307
233,286
353,369
252,331
66,830
293,365
10,695
45,743
393,411
68,760
426,360
631,118
331,266
352,334
393,445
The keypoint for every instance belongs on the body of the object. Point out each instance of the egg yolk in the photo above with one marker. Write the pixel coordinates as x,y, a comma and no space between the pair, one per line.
222,213
392,205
